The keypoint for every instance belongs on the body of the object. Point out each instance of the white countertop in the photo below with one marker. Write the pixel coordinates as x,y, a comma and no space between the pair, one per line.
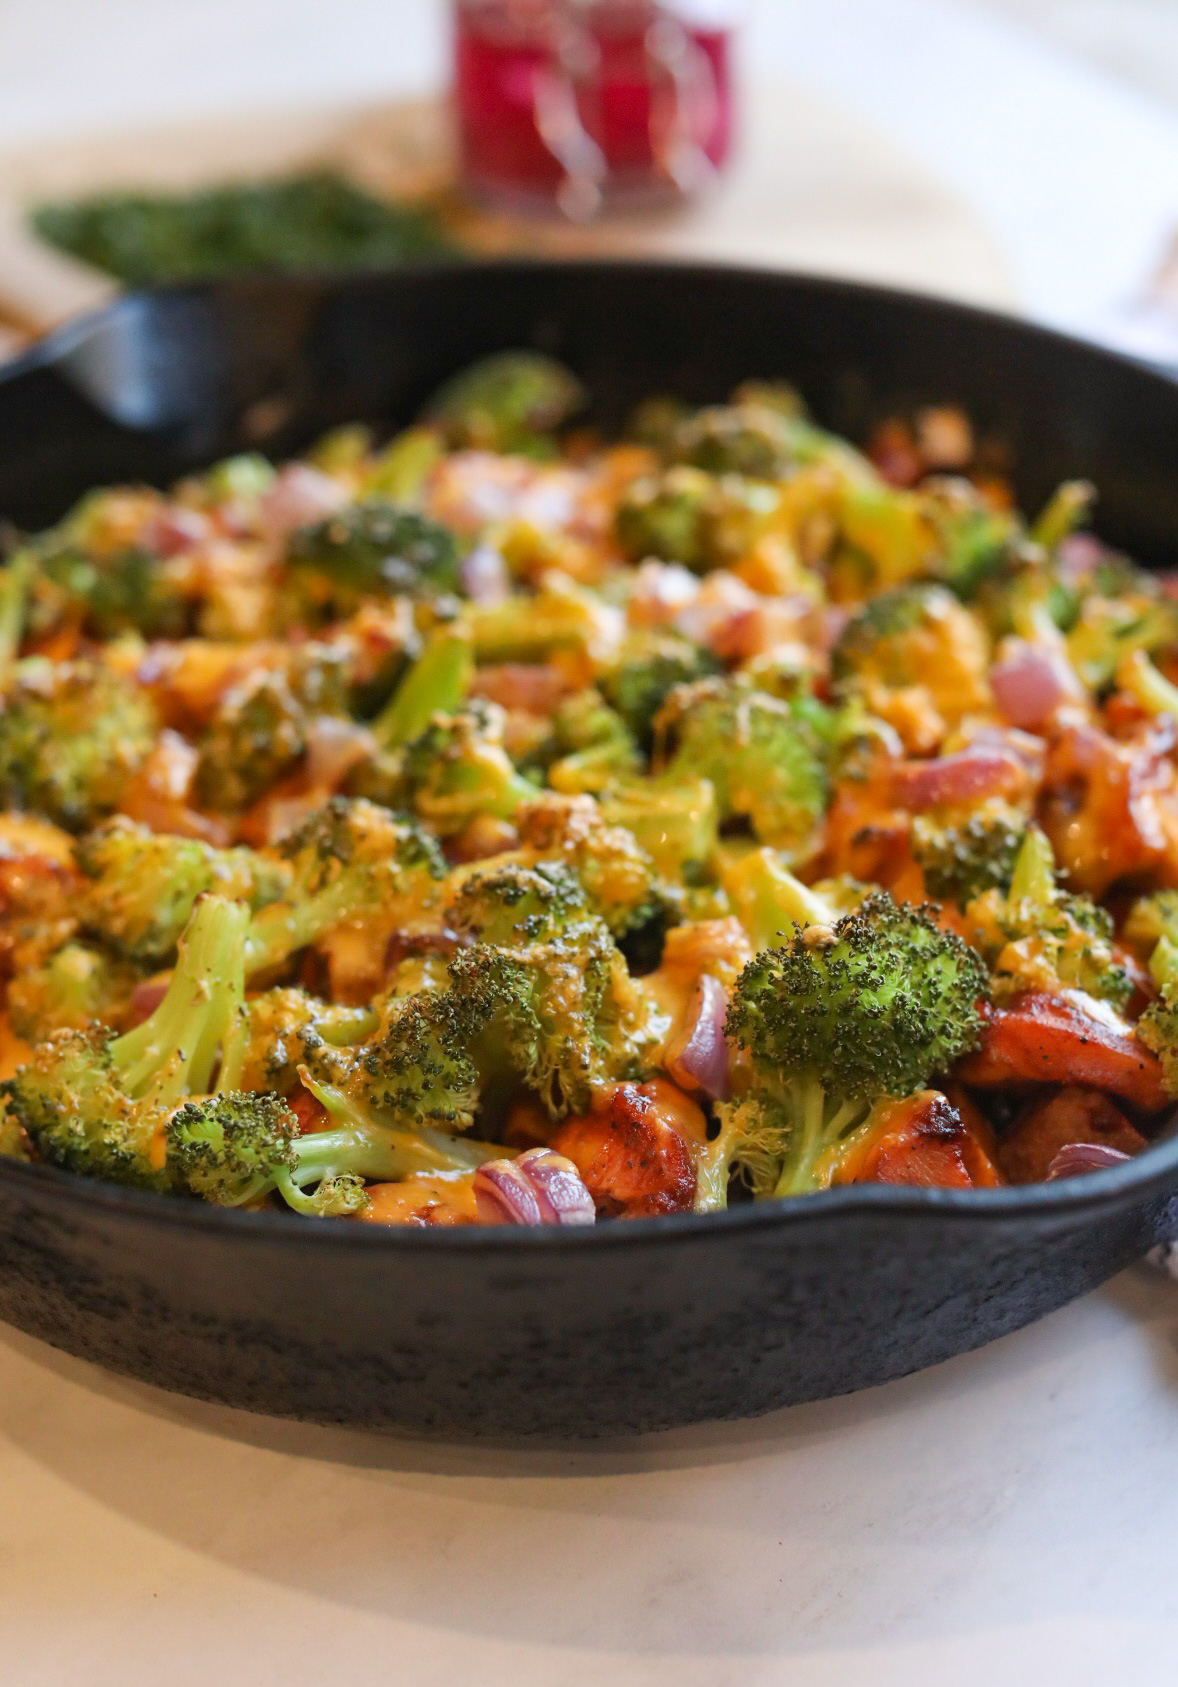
1008,1517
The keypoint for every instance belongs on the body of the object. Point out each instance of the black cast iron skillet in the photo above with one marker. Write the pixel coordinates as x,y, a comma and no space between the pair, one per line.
630,1326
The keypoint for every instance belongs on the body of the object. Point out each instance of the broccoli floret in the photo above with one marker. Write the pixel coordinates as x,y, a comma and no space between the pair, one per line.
763,755
593,744
349,860
141,885
74,986
668,515
559,1011
512,401
370,549
1153,923
769,901
458,770
127,591
71,736
961,862
674,819
749,438
258,735
1038,937
830,1023
281,1029
237,1148
613,869
647,671
509,904
98,1104
914,635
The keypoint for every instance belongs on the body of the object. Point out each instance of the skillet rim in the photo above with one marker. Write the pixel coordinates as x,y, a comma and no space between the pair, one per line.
1150,1174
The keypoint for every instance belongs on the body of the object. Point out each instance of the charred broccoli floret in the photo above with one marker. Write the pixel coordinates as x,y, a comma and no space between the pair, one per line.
71,736
763,755
609,863
1038,937
348,859
830,1023
512,401
141,885
372,548
750,438
559,1010
99,1104
961,862
282,1029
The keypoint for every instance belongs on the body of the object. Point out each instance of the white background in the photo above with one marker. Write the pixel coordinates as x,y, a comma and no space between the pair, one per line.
1009,1517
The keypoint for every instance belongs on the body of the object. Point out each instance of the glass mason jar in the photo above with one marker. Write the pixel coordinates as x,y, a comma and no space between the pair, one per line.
581,106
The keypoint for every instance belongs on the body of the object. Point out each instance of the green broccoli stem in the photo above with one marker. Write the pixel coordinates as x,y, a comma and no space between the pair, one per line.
281,928
1140,678
399,472
714,1168
174,1051
813,1133
15,581
766,897
437,683
1069,505
366,1148
1033,878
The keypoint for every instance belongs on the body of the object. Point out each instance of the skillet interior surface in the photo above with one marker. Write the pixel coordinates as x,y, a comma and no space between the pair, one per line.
634,1326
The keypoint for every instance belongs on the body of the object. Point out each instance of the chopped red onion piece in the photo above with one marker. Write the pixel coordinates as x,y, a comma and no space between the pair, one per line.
1076,1158
145,998
299,495
540,1187
176,529
483,575
1030,682
697,1053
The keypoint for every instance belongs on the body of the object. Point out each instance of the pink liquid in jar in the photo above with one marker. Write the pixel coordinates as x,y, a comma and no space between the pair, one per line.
584,106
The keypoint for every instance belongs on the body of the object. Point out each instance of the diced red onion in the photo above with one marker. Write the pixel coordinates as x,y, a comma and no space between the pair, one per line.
962,777
697,1054
1030,682
483,575
540,1187
1074,1159
298,495
176,529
